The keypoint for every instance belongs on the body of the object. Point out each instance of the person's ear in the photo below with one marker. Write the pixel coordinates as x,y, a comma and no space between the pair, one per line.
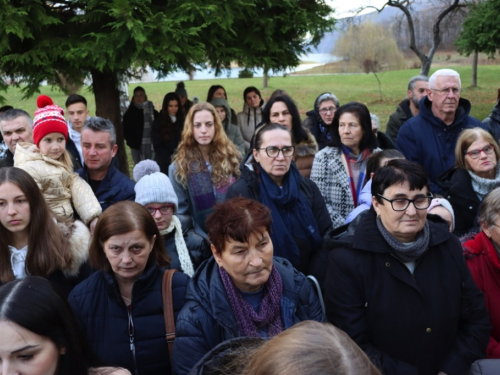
216,255
376,205
114,150
255,154
486,229
62,351
409,93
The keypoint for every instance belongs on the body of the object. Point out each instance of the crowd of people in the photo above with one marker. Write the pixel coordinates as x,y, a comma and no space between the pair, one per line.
252,243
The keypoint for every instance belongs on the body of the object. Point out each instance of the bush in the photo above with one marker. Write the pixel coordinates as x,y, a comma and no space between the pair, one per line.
245,73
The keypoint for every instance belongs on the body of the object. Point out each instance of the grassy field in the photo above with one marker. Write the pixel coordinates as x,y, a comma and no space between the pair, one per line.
305,88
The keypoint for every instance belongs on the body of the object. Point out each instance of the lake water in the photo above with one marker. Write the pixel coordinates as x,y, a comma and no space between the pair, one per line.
310,61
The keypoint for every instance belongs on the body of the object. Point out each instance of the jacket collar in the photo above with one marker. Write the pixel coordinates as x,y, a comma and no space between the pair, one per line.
461,114
363,234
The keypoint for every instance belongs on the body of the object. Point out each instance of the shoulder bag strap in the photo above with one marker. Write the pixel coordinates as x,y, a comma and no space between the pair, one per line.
168,309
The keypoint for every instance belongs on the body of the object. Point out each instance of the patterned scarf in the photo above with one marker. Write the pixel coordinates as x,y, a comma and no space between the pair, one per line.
402,252
204,194
147,147
359,162
269,315
483,186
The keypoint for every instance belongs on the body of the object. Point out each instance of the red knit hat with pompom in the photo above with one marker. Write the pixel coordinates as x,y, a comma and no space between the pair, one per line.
49,118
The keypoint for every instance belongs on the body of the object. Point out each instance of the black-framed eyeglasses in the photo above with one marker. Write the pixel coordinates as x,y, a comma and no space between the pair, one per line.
324,111
164,210
401,204
273,151
475,154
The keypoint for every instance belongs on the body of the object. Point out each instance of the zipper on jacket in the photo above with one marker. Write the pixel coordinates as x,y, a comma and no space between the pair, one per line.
132,343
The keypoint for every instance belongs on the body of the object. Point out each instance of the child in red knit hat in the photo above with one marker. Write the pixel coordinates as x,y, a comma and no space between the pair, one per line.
48,162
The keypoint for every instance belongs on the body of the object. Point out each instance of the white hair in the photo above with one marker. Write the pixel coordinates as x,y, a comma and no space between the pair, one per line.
443,72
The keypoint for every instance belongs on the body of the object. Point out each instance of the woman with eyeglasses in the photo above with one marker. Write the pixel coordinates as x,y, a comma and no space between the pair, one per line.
320,118
300,217
475,174
339,170
186,248
399,286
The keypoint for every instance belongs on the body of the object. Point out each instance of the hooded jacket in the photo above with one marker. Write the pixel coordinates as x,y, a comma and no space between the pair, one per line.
207,318
397,119
484,264
107,322
427,140
61,188
248,119
232,131
492,122
422,323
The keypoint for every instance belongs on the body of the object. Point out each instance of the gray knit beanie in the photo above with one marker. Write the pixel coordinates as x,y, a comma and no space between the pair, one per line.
152,186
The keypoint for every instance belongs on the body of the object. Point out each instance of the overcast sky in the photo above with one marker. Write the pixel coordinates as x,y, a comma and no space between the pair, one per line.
345,8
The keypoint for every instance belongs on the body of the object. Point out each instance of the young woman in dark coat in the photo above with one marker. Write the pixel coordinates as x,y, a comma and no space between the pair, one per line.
166,130
399,286
120,306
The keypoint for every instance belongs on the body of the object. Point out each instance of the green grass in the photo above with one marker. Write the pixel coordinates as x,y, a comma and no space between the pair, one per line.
305,89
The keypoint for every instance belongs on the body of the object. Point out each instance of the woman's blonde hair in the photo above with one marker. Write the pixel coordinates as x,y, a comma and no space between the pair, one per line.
310,348
468,137
224,157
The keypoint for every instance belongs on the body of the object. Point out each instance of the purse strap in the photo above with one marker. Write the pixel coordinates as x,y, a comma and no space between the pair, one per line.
168,309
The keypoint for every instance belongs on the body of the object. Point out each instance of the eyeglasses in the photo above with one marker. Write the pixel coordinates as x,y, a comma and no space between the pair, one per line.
475,154
401,204
324,111
164,210
273,151
445,91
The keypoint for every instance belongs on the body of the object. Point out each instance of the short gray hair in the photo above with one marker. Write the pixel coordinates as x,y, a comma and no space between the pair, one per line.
328,96
376,119
99,124
413,80
490,208
12,114
443,72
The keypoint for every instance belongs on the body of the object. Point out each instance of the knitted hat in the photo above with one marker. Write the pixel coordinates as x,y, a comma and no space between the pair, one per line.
443,202
152,186
181,90
49,118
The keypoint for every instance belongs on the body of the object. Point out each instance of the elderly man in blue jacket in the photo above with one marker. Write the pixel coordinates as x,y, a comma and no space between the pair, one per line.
430,137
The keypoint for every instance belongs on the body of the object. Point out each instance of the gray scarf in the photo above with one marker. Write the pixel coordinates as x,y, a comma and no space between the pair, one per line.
483,186
402,252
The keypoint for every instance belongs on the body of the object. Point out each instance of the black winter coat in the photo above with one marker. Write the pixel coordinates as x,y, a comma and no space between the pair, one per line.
165,149
207,318
105,318
312,261
198,246
8,161
422,323
457,186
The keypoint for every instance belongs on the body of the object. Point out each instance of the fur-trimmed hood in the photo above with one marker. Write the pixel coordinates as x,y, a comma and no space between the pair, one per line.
308,146
78,236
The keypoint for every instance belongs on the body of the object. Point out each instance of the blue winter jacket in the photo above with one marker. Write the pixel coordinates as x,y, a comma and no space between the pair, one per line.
207,318
427,140
115,187
105,319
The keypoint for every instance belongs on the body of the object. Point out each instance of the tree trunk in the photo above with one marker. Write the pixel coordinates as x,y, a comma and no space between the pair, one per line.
379,85
264,79
475,58
107,103
426,66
